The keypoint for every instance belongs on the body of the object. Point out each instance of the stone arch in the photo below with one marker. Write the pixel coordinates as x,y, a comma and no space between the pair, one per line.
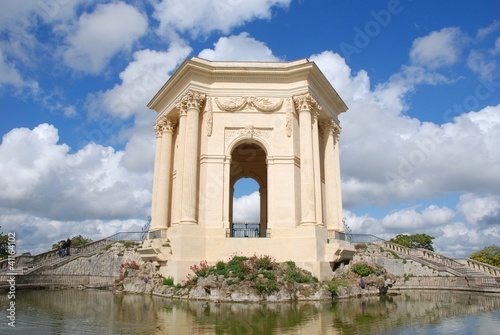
249,160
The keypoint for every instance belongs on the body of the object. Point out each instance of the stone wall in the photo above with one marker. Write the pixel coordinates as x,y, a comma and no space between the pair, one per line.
106,262
392,263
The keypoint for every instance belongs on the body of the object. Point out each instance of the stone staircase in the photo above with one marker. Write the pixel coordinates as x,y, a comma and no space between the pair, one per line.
30,265
480,274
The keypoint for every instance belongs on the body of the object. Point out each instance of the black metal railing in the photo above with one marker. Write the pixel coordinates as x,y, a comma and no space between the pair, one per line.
249,229
24,264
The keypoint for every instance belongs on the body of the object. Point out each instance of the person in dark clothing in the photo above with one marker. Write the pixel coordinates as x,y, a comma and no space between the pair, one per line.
68,246
362,283
60,248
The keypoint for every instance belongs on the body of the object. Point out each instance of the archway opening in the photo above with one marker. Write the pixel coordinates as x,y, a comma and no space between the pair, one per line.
246,208
248,191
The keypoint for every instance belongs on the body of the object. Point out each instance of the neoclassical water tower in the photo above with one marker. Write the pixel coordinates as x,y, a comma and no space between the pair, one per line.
274,122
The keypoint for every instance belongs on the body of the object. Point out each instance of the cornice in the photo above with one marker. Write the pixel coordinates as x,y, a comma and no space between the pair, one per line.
209,77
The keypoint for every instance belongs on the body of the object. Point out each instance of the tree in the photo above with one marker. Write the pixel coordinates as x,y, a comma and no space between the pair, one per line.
4,243
75,241
489,255
414,241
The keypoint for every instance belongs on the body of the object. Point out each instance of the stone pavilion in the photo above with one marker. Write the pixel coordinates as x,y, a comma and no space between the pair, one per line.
274,122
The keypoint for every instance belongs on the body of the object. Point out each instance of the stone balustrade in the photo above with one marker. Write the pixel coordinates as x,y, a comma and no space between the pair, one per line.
486,268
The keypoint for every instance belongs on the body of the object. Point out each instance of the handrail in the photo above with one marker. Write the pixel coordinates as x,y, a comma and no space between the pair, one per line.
487,268
52,257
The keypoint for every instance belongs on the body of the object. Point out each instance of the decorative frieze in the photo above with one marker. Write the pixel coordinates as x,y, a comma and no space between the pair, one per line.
209,117
241,103
248,132
289,118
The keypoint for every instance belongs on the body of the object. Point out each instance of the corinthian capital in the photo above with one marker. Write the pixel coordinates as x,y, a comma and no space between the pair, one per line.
158,127
169,124
331,128
190,100
305,102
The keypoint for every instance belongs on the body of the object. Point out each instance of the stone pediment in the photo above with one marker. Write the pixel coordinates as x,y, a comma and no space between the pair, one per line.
234,104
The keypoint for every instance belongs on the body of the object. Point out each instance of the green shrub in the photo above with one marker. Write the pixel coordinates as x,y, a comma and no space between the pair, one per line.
334,284
168,281
364,270
394,254
107,247
128,244
296,275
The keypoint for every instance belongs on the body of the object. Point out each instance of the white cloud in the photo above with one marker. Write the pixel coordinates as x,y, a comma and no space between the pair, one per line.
486,31
241,47
247,208
40,176
37,234
9,74
438,49
480,210
425,159
140,81
200,17
455,239
101,34
478,62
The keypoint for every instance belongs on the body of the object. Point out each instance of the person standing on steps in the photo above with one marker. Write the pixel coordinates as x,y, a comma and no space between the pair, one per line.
68,245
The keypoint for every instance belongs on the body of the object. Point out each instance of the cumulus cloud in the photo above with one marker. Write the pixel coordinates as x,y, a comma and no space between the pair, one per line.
420,155
199,17
439,48
101,34
247,208
479,62
10,75
40,176
479,210
486,31
140,81
241,47
452,238
36,234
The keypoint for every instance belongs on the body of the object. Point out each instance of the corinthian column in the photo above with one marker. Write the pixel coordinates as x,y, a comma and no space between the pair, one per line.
317,167
333,195
158,128
191,102
163,206
304,105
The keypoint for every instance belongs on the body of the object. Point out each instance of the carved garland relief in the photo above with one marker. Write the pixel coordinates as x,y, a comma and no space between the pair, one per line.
260,104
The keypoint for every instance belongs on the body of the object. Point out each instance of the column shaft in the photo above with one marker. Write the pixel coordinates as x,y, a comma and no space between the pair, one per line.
164,205
192,103
333,197
307,192
179,163
158,128
317,169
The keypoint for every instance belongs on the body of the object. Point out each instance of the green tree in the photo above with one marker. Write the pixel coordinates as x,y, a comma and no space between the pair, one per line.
414,241
75,241
489,255
4,242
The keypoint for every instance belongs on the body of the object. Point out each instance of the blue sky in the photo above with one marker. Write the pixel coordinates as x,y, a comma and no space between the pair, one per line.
420,141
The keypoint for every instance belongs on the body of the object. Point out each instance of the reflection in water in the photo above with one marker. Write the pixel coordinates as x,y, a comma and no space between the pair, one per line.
104,312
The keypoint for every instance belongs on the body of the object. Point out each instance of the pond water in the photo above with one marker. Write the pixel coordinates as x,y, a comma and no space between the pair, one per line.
104,312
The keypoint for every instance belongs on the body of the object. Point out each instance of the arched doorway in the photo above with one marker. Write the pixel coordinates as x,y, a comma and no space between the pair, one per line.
248,162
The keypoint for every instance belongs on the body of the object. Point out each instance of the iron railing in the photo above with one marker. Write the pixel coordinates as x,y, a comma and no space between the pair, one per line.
24,264
248,229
